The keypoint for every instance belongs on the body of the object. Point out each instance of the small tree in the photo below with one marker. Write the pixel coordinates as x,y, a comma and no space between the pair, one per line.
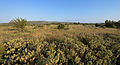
19,23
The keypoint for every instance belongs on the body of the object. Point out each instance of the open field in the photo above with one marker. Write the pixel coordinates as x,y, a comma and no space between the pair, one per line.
9,32
47,45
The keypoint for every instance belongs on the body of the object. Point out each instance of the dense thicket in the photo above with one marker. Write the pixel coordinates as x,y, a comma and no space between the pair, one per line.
109,23
83,50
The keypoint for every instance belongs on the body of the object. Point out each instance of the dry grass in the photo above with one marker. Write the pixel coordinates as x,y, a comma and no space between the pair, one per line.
51,32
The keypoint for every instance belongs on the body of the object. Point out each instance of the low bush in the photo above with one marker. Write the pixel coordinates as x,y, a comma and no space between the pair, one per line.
2,51
67,52
61,26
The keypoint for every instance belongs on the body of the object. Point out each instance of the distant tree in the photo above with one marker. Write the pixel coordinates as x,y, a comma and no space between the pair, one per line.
97,24
108,23
19,23
119,21
118,24
113,21
78,22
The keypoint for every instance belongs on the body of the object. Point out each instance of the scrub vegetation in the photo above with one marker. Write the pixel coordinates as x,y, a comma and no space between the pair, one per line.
59,44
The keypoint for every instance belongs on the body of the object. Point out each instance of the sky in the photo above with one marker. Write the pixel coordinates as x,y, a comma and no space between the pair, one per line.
84,11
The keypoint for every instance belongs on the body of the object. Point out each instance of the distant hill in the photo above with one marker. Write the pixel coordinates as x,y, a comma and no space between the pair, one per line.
39,22
4,24
46,22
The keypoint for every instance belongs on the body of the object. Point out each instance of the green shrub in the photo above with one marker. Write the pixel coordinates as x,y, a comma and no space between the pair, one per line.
38,26
61,26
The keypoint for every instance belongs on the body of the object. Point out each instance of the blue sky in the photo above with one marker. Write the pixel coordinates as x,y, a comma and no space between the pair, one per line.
60,10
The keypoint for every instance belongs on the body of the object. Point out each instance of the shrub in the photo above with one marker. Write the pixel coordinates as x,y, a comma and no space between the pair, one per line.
38,26
1,52
97,25
19,51
61,26
19,23
70,51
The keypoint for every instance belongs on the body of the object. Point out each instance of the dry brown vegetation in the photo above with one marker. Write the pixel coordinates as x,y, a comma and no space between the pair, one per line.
51,31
